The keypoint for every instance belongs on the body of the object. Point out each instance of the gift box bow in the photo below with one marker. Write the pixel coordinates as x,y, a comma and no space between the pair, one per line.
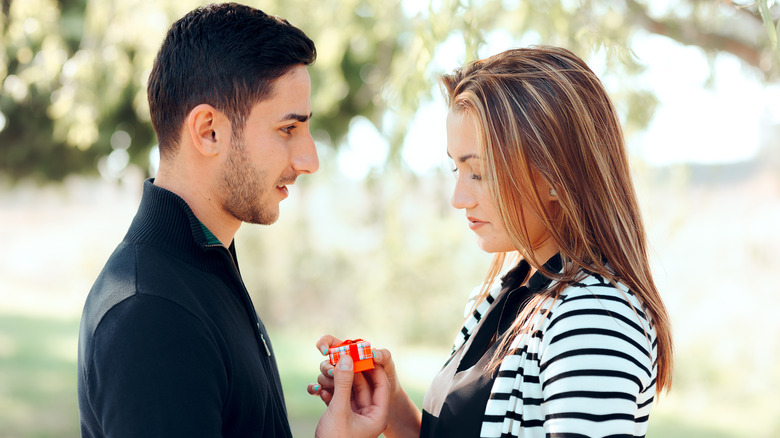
358,349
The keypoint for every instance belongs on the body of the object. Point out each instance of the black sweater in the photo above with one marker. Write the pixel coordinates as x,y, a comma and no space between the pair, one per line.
170,344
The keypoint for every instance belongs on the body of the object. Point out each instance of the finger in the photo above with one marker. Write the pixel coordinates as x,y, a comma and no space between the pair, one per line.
317,390
385,359
361,389
326,368
381,385
325,382
326,396
325,342
340,404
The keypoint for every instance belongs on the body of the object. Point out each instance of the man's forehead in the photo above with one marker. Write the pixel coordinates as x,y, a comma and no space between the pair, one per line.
289,97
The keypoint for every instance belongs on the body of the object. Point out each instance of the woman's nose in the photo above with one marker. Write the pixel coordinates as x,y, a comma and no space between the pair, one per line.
462,197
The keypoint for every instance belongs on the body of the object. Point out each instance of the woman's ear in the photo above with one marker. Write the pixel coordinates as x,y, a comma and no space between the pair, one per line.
552,194
547,190
207,129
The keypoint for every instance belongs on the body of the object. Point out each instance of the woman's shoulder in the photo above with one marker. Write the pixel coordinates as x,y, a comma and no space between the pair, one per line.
594,290
602,324
594,300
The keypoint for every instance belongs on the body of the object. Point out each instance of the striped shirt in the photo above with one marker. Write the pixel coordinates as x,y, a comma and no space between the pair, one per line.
587,369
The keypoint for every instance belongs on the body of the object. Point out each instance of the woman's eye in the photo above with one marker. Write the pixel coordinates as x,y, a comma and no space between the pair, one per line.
473,176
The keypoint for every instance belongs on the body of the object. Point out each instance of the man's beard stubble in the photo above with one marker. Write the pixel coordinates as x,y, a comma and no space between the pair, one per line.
243,188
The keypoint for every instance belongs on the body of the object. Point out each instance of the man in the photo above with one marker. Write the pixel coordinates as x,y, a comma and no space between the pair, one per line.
170,343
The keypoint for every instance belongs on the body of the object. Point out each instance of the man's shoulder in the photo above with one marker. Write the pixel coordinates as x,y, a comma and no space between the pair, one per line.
138,269
116,282
137,283
119,280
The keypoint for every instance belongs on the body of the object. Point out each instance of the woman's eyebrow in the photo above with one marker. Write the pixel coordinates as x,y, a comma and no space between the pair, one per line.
464,158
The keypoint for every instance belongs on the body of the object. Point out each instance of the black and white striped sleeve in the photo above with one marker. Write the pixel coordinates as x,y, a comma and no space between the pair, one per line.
596,364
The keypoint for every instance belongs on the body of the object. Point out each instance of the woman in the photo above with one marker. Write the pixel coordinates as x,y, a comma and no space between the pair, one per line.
574,340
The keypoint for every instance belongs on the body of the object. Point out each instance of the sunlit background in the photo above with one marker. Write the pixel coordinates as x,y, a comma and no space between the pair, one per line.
369,246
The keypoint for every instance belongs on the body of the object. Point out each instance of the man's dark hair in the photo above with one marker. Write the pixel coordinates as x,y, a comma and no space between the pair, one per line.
226,55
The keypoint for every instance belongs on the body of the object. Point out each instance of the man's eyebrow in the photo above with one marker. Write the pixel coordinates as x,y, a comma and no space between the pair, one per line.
464,158
295,116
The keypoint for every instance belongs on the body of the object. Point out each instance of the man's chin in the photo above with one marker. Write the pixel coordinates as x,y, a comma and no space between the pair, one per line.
266,218
268,222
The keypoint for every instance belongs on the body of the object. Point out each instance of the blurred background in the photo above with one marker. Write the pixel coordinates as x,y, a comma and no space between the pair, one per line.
369,245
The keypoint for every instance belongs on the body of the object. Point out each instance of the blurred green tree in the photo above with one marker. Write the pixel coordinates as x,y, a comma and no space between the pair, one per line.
73,72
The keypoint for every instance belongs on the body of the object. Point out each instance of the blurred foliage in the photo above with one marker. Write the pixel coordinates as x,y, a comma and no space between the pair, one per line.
385,258
73,72
377,261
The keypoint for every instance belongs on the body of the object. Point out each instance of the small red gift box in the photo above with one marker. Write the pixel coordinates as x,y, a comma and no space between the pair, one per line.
358,349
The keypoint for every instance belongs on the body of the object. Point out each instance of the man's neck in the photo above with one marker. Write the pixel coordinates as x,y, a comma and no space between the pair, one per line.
205,205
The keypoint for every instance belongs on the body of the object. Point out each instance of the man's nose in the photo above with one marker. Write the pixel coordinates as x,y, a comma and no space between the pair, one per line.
305,159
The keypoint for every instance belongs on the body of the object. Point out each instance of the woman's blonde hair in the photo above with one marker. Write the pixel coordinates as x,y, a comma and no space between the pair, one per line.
542,114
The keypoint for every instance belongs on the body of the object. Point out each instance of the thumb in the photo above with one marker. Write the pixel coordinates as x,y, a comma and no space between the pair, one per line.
384,358
343,376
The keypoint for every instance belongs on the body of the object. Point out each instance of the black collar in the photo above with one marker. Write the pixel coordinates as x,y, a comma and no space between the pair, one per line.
165,220
516,276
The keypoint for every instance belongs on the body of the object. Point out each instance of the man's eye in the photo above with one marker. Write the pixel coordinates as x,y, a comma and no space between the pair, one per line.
288,129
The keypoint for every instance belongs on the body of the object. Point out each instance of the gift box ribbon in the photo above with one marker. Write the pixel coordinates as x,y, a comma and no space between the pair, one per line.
358,349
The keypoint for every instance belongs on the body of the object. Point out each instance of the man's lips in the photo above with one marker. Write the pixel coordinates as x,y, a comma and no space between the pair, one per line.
283,183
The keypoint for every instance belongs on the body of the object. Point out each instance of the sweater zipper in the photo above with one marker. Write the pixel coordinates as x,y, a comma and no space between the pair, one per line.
262,338
248,304
246,298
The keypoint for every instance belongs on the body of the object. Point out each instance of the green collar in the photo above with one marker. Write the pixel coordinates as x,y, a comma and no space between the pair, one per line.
211,239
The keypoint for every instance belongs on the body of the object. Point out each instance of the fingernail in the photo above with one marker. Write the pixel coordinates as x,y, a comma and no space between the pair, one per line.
316,388
345,363
377,354
330,372
324,350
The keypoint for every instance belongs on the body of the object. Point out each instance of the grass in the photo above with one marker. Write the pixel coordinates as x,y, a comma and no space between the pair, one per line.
38,385
38,377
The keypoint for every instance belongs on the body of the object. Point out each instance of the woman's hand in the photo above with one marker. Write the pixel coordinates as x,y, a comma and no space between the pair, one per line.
404,418
357,402
324,386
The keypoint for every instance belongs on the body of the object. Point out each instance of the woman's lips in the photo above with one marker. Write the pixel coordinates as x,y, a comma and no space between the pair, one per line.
475,223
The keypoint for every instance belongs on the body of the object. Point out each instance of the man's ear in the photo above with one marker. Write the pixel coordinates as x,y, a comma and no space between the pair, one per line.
208,129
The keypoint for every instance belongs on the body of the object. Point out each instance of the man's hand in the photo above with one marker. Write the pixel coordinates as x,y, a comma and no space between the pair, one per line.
358,404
